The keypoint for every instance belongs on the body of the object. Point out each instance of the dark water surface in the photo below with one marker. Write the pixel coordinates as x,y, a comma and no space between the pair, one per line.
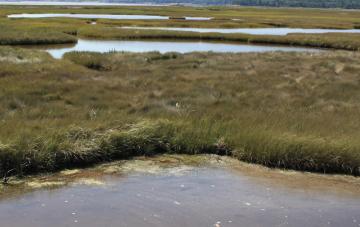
171,191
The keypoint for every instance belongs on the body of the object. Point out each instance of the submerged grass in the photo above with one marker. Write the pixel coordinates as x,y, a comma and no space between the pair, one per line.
260,108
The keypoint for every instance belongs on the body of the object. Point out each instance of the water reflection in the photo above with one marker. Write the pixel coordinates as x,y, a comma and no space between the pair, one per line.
252,31
101,16
103,46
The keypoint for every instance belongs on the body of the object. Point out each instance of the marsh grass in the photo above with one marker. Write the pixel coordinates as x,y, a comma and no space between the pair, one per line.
65,30
260,108
248,16
12,35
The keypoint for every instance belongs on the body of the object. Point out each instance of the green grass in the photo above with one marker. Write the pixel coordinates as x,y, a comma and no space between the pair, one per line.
260,108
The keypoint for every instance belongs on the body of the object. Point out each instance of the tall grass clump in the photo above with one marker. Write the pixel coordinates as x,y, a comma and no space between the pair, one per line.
94,61
80,147
299,153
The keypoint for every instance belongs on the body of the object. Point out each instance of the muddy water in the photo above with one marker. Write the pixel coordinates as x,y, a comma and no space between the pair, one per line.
181,191
102,46
252,31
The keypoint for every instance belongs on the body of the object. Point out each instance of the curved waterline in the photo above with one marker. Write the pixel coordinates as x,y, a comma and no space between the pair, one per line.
103,46
250,31
166,190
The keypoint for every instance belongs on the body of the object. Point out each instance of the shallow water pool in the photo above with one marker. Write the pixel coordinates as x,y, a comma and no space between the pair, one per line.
173,192
252,31
100,16
102,46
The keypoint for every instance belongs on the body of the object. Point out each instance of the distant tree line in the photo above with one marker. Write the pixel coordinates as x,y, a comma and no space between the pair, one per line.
195,2
348,4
